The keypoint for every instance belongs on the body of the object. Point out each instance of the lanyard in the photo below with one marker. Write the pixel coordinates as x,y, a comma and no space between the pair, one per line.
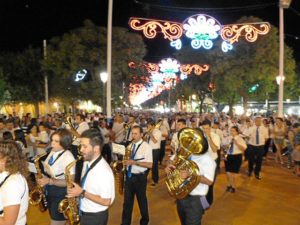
4,180
60,154
135,150
90,168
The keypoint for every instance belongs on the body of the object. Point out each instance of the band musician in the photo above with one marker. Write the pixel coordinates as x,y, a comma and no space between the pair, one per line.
136,177
96,195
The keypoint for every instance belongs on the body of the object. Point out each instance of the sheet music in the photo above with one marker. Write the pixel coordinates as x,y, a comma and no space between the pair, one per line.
118,149
31,167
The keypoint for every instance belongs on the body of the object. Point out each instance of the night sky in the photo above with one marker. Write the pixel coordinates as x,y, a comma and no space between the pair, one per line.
28,22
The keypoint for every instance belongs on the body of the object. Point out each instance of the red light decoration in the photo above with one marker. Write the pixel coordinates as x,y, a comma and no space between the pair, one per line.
198,69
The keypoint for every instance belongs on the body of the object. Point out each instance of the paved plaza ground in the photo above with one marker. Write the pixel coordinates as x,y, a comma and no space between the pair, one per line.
274,200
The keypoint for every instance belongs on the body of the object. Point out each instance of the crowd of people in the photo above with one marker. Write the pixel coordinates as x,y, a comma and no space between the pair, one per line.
90,136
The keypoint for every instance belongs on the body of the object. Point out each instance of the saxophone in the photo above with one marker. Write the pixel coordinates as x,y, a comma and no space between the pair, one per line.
119,168
68,206
192,141
37,194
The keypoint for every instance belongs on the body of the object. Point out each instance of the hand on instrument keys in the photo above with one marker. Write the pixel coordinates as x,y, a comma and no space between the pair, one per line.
75,191
129,162
169,168
43,181
184,174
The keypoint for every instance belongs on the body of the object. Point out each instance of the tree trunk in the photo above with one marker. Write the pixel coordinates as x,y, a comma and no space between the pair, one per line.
36,109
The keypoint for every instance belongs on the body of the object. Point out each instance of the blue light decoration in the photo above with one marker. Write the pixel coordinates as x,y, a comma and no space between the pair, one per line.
202,29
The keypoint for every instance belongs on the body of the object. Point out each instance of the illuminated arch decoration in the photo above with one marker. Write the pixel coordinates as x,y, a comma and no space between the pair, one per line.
164,75
202,29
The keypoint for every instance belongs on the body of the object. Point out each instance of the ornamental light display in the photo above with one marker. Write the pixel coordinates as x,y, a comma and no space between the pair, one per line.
202,29
163,76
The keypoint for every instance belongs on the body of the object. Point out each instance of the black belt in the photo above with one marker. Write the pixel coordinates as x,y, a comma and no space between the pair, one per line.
91,213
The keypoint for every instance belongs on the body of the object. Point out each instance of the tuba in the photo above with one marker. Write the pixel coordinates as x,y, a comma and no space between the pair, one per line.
119,168
191,141
37,194
68,206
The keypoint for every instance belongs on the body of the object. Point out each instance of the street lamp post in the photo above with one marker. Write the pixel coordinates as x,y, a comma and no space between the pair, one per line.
283,4
103,77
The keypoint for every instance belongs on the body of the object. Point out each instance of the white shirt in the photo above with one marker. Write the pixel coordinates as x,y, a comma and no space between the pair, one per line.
236,149
217,141
14,192
118,128
57,170
175,141
164,131
251,133
157,135
207,169
83,126
99,181
104,132
144,153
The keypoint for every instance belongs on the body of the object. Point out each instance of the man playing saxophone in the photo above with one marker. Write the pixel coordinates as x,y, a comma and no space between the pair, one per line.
54,166
95,195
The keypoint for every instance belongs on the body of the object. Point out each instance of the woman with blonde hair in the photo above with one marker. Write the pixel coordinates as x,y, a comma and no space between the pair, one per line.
13,184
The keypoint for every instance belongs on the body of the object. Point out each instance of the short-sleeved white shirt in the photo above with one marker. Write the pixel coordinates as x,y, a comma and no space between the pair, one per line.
143,154
157,135
207,169
14,192
217,141
99,181
58,168
83,126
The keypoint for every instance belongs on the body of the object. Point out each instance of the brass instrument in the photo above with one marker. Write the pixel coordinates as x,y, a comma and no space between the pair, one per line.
128,125
191,141
37,194
68,206
68,121
119,168
157,126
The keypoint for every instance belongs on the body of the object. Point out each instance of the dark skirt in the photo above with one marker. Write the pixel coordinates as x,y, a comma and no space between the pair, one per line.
233,163
54,196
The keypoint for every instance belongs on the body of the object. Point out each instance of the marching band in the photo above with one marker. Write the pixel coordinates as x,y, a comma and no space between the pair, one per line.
197,143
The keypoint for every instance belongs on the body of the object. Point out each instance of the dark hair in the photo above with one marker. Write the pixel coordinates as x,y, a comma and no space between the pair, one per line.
206,122
296,125
138,127
151,122
7,135
181,121
65,138
20,136
94,136
236,128
82,117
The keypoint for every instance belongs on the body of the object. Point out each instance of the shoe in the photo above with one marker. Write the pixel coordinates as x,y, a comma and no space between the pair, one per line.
228,188
249,174
232,190
258,177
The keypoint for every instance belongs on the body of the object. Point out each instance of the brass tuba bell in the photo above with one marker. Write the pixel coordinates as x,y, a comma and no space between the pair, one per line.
191,141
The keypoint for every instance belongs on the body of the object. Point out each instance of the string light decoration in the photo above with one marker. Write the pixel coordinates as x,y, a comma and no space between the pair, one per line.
164,75
202,29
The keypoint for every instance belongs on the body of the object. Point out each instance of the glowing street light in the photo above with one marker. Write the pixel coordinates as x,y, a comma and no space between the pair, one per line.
103,77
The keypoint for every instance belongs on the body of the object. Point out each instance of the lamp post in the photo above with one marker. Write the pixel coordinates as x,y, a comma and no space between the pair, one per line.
283,4
103,77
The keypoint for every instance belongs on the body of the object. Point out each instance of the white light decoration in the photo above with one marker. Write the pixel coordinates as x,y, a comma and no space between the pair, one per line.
226,46
80,75
202,29
176,44
169,66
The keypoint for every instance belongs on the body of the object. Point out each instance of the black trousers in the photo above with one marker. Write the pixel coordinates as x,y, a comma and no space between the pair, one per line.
155,173
190,210
98,218
135,185
162,150
255,155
